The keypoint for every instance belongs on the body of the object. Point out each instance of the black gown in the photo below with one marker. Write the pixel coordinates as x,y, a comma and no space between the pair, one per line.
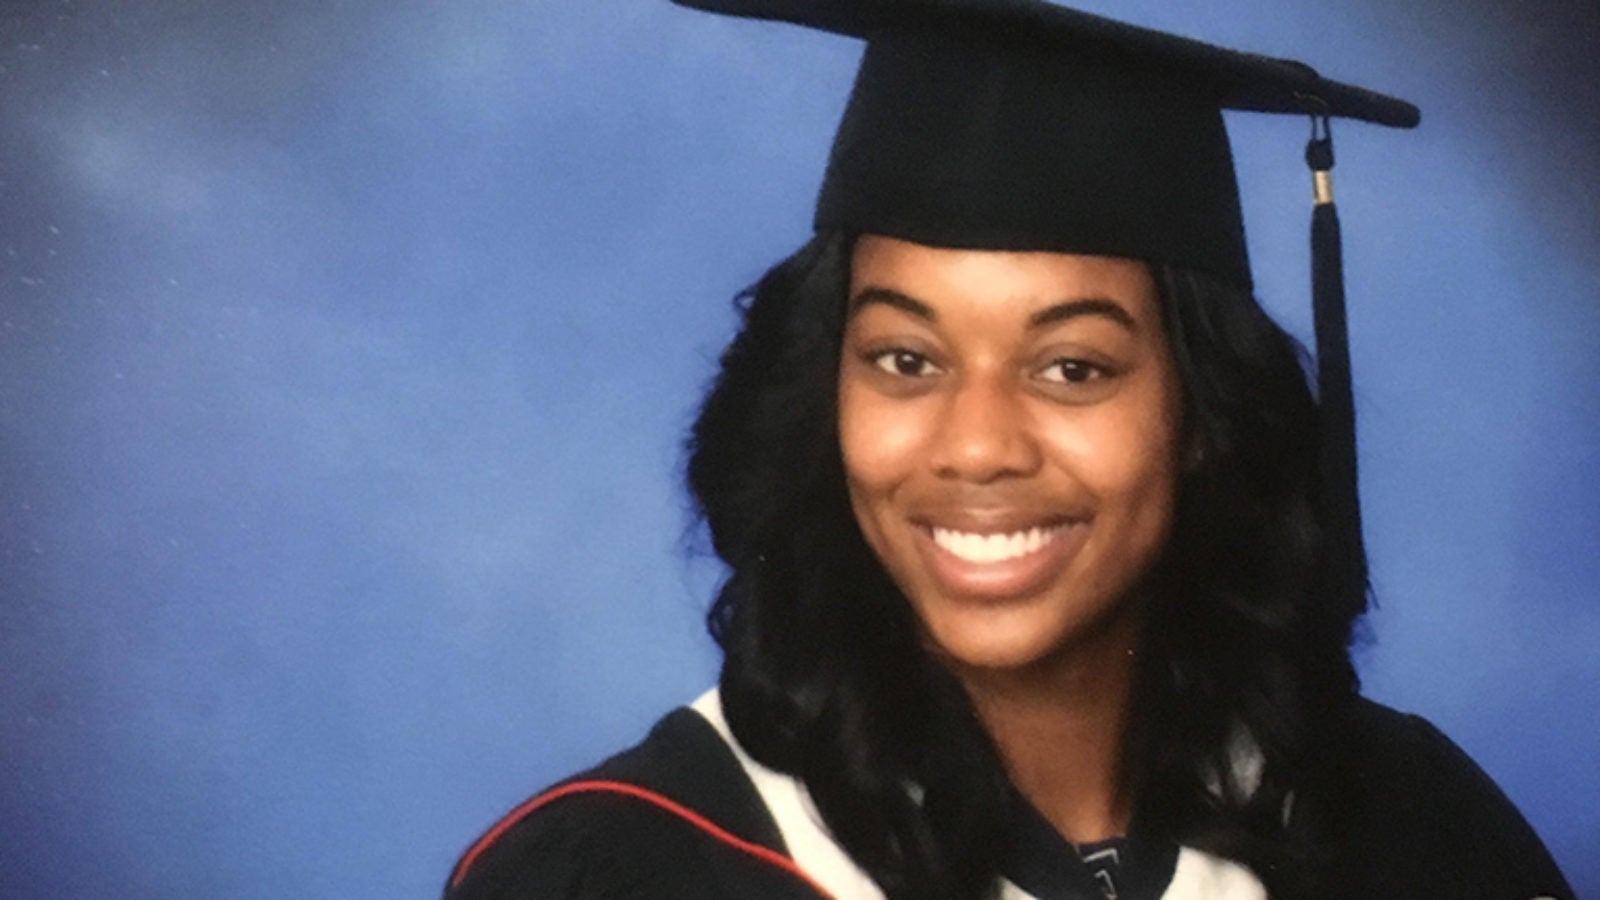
678,817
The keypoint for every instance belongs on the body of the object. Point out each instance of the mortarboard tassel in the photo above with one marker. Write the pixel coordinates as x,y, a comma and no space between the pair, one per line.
1345,559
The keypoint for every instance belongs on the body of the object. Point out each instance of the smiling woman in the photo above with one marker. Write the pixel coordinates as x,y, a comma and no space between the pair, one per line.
1107,675
1043,561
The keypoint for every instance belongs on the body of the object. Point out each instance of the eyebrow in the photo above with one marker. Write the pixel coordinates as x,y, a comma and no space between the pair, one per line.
1050,315
867,296
1087,306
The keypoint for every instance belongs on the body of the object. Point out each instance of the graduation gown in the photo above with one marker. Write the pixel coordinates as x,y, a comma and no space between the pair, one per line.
687,815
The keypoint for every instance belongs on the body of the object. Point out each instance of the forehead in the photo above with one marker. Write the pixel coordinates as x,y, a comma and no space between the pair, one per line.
998,280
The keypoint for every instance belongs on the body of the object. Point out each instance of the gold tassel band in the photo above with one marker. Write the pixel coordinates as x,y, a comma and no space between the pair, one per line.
1322,187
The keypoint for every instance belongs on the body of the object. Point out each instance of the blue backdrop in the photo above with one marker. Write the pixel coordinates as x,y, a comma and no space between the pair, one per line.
346,350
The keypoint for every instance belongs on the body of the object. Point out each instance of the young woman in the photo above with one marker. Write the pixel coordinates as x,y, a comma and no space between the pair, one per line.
1040,584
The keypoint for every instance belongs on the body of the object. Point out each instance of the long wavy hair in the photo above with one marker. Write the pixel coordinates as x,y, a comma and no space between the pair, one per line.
824,675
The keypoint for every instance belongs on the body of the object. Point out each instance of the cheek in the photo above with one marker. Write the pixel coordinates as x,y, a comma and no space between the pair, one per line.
1124,456
880,441
1151,479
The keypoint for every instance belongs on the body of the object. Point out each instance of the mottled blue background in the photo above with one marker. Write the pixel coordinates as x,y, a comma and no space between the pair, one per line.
346,350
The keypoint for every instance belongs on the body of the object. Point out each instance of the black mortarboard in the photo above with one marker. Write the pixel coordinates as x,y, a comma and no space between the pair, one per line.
1022,125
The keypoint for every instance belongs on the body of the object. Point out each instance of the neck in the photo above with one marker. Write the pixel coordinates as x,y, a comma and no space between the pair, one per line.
1061,727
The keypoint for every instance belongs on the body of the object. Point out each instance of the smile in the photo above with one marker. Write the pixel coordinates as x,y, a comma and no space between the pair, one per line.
996,565
993,548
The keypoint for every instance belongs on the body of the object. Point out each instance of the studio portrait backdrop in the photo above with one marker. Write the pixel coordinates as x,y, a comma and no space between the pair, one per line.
347,351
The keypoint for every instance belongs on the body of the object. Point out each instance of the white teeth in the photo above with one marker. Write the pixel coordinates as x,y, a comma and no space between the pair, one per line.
993,548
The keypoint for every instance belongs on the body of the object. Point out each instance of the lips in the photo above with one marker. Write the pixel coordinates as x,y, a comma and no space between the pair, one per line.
996,561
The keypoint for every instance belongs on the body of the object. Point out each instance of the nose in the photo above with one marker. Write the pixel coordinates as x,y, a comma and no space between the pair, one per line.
984,434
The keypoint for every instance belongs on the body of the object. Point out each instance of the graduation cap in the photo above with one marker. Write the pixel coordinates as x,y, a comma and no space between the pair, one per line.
1022,125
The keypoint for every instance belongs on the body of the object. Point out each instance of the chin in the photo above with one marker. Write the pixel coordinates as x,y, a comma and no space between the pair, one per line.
991,636
1017,636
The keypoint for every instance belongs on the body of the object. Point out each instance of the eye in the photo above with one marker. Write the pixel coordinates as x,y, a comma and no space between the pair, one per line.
905,363
1073,371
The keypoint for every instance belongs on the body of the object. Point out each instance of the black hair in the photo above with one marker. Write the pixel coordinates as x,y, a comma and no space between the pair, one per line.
824,676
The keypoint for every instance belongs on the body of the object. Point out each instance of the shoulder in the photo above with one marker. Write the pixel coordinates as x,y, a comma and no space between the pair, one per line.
672,817
1422,819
